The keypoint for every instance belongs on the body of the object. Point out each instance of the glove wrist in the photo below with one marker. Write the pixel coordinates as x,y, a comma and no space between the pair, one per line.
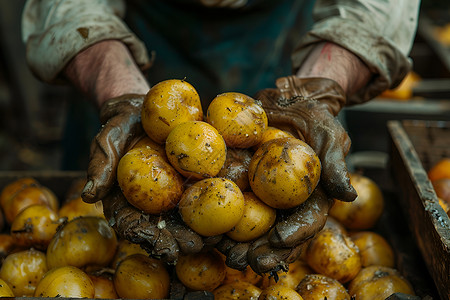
324,90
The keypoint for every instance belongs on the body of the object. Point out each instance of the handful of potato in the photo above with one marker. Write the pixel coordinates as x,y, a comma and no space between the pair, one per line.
226,172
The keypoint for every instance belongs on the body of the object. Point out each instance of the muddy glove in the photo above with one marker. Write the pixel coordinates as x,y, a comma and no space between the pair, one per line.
121,129
162,236
309,107
284,242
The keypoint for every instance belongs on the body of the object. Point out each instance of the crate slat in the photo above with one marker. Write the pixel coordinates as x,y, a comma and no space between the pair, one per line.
426,218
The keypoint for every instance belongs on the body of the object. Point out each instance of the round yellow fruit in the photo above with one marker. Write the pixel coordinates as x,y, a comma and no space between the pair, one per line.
167,104
65,282
258,218
148,181
202,271
141,277
365,210
196,150
238,118
212,206
284,172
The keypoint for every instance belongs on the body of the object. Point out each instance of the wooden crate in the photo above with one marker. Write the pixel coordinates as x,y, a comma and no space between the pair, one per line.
415,147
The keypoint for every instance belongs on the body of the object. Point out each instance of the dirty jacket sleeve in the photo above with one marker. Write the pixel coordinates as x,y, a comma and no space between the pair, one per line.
379,32
54,31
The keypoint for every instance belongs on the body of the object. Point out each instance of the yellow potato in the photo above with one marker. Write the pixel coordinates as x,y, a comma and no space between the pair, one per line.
317,286
196,150
284,172
238,118
82,242
332,253
272,133
202,271
5,290
65,282
167,104
141,277
373,248
23,271
258,218
279,292
148,182
365,210
378,282
237,291
297,271
212,206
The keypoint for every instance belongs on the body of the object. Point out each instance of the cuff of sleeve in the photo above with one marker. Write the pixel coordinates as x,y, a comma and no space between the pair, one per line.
384,60
49,52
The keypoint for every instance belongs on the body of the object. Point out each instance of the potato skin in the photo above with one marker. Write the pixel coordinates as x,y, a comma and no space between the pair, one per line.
66,282
378,282
333,254
148,182
365,210
141,277
23,271
258,218
212,206
202,271
373,248
284,172
238,118
317,286
237,290
167,104
196,150
82,242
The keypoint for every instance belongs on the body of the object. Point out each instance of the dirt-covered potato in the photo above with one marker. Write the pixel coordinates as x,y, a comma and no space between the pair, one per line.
141,277
272,133
23,271
149,182
279,292
212,206
317,286
378,282
238,118
65,282
82,242
373,248
167,104
34,226
196,150
237,291
365,210
284,172
333,254
202,271
258,218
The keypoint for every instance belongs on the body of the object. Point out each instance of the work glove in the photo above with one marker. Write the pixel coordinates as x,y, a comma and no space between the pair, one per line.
284,243
308,109
162,235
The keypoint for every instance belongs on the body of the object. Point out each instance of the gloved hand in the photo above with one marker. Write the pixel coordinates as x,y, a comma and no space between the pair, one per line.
163,235
121,129
309,107
284,242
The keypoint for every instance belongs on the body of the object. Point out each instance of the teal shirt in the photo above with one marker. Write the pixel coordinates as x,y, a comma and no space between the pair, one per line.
220,50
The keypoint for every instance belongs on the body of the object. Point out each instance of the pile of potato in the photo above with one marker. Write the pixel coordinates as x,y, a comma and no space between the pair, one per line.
226,173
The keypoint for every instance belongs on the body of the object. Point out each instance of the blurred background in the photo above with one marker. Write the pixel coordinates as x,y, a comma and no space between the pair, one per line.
38,119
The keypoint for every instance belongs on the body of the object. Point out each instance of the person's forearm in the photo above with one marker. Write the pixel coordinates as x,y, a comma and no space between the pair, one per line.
331,61
106,70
